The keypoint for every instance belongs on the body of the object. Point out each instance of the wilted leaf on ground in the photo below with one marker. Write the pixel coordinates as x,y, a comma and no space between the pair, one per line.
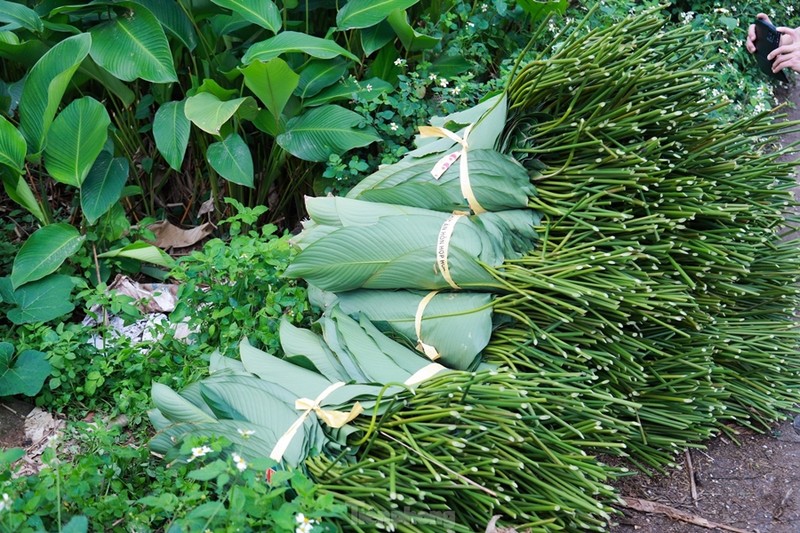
170,236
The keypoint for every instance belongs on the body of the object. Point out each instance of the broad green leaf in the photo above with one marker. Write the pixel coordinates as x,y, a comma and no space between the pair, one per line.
298,341
210,85
323,131
44,251
141,251
376,37
103,185
174,19
177,408
20,15
272,82
44,87
209,113
292,41
134,46
18,190
78,524
366,13
111,83
349,89
24,374
538,9
232,160
262,12
171,131
448,66
25,53
318,75
412,40
12,147
42,300
75,139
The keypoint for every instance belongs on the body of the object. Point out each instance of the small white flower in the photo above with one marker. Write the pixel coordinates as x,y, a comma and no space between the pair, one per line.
6,502
470,25
432,76
443,82
393,126
304,524
199,451
456,90
369,87
246,432
239,462
484,8
399,62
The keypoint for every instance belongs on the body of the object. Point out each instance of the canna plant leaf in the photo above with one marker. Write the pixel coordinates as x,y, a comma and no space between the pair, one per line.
171,129
273,82
209,113
75,139
412,40
12,147
18,190
174,19
134,46
366,13
350,89
324,131
262,12
103,186
44,251
292,41
232,160
21,16
44,87
141,251
318,75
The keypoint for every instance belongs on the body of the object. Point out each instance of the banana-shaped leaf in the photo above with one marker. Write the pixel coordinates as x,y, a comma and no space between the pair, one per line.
12,147
75,139
412,40
292,41
318,75
262,12
324,131
134,46
103,186
141,251
18,190
272,82
44,252
175,407
171,131
366,13
209,113
174,19
44,87
232,160
297,341
20,15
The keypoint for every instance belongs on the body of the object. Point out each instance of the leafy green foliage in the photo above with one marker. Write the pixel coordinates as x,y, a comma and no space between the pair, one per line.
24,373
239,287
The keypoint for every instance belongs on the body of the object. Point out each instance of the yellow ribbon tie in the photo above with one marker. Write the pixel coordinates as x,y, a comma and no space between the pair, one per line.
445,162
334,419
431,352
424,373
443,246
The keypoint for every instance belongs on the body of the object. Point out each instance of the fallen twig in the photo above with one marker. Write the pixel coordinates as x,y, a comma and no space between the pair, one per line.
646,506
690,471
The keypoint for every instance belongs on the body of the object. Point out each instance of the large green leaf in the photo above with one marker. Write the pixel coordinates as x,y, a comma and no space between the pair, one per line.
42,300
323,131
349,89
318,75
209,113
232,160
171,132
376,37
112,84
177,408
103,186
44,252
262,12
141,251
44,87
134,46
18,190
174,19
292,41
75,139
12,147
412,40
366,13
25,374
20,15
272,82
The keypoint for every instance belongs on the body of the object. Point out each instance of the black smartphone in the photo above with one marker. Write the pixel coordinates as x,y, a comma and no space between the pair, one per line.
767,39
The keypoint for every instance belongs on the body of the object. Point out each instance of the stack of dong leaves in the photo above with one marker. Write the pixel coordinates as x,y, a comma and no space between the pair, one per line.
600,267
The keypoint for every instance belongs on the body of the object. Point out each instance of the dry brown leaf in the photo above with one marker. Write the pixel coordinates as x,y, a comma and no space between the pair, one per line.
206,207
646,506
170,236
150,297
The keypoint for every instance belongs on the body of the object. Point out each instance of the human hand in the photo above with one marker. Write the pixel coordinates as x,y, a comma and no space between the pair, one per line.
787,55
750,43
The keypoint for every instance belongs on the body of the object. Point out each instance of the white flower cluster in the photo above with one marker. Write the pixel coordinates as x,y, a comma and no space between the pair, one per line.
304,524
6,502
